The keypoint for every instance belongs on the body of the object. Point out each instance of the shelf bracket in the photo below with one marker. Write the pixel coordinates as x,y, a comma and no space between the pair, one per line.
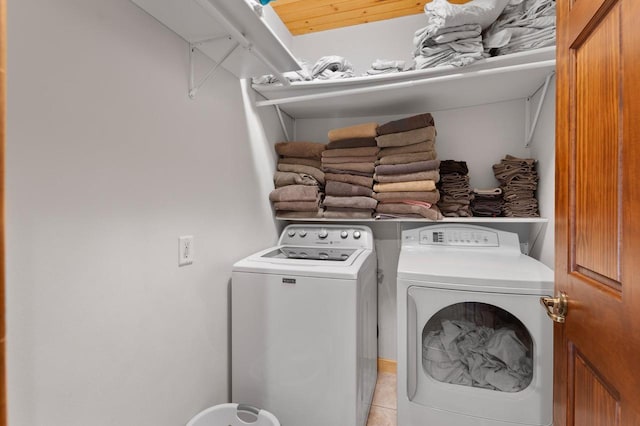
284,128
236,35
193,86
530,127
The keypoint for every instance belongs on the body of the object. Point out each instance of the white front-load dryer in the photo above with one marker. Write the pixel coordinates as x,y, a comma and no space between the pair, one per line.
303,326
474,345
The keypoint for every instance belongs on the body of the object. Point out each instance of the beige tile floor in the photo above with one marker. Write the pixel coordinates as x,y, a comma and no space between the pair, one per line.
385,403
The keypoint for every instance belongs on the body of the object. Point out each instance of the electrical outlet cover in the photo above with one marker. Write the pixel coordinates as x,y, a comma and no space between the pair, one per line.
185,250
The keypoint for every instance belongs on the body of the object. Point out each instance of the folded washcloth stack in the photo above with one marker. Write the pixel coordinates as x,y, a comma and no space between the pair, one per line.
523,25
453,35
487,202
455,192
298,180
519,181
348,164
406,170
381,66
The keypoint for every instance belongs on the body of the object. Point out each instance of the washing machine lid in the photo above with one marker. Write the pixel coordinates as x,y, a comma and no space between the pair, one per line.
474,270
309,261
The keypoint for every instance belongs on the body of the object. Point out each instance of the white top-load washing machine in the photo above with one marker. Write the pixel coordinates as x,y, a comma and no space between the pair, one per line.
474,345
304,325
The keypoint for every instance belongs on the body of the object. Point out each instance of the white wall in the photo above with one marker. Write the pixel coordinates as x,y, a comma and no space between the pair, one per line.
362,44
108,162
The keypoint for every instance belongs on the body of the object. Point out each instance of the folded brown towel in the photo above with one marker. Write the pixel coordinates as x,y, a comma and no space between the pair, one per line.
298,206
288,214
348,215
296,168
419,185
349,178
347,172
348,210
408,158
353,143
294,193
416,147
300,149
400,169
352,202
393,208
396,197
351,152
517,160
406,124
365,130
452,166
341,189
289,178
423,134
302,161
428,175
353,167
338,160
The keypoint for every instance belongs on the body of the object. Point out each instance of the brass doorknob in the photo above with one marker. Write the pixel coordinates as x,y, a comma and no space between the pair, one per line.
556,307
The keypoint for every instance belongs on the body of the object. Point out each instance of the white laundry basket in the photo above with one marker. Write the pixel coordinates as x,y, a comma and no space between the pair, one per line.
228,415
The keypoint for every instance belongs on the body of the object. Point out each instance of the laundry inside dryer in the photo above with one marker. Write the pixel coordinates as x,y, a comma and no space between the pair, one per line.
478,345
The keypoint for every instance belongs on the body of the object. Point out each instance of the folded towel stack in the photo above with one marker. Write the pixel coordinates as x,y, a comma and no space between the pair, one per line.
454,188
487,202
298,180
519,181
523,25
348,164
407,169
453,35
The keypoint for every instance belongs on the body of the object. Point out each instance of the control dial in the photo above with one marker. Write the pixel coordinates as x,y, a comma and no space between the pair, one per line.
302,233
356,234
323,234
344,234
291,233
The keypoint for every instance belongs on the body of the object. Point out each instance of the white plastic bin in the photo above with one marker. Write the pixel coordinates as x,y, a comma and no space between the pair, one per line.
230,415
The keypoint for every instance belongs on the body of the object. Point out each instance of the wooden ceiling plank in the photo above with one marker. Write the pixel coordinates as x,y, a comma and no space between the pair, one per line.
303,16
387,10
345,23
306,10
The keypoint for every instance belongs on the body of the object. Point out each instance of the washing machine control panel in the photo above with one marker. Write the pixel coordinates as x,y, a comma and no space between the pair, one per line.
327,235
459,237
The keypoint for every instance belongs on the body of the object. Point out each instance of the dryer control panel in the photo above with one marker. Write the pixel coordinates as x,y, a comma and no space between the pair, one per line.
459,236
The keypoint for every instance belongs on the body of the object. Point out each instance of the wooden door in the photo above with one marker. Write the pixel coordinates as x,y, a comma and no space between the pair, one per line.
597,350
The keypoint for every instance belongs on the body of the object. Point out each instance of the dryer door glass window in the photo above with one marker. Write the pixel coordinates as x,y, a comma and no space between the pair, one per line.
478,345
